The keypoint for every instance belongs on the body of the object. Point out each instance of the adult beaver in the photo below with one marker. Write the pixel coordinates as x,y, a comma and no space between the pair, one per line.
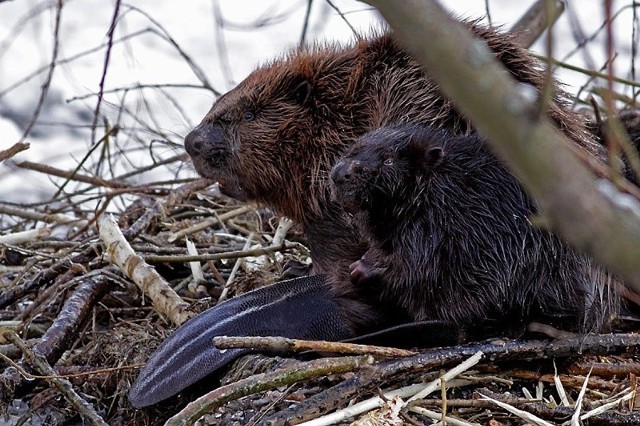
273,140
450,236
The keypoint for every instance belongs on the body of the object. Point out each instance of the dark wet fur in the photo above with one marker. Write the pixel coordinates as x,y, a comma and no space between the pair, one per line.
451,238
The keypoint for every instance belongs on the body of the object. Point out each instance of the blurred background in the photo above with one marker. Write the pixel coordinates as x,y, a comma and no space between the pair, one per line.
144,74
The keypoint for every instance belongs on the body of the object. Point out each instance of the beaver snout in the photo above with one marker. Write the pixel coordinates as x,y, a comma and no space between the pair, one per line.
205,140
344,170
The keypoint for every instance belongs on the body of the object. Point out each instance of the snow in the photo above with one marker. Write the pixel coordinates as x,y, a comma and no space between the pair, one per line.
254,32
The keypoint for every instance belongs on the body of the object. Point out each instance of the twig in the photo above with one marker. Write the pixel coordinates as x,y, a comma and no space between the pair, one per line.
26,236
103,140
438,416
196,269
575,419
208,223
165,34
282,344
52,67
165,300
265,381
84,408
57,218
520,413
459,369
73,315
234,270
559,388
281,232
590,73
49,170
16,148
105,67
218,256
605,407
567,380
305,25
342,16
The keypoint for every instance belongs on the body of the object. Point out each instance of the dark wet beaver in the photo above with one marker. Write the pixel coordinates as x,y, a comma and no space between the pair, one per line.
450,236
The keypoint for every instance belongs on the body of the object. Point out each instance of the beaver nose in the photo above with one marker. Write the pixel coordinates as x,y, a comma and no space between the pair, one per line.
343,171
339,173
203,139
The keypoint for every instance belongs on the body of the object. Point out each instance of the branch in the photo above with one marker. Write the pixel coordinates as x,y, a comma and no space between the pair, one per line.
540,16
165,300
16,148
588,212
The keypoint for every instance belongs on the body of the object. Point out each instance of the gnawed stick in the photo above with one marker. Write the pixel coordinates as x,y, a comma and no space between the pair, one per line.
259,251
75,312
57,218
265,381
283,345
84,408
64,329
26,236
165,300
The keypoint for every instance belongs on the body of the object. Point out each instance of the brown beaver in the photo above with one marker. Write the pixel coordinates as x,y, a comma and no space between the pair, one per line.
273,140
450,236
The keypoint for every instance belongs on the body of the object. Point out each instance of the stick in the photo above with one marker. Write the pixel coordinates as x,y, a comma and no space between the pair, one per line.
283,344
265,381
165,300
84,408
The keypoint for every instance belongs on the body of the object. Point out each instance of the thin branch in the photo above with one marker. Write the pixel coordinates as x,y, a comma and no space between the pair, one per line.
47,81
15,149
103,77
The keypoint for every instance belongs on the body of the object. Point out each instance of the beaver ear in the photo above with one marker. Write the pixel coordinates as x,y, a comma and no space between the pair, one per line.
433,157
302,92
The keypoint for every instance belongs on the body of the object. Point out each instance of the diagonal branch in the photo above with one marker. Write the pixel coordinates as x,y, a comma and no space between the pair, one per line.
590,213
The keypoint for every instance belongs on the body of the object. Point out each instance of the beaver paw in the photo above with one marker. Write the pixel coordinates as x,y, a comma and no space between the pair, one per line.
362,271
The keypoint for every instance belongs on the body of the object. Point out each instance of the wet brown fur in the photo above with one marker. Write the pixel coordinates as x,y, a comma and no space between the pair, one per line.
279,132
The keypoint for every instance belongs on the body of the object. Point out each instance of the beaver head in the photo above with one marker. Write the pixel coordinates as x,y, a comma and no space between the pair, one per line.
276,135
385,165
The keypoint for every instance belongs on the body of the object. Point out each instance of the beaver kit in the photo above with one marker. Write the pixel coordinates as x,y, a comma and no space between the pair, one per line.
450,236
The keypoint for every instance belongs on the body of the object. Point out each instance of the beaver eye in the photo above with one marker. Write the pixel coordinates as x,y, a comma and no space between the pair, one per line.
248,116
388,162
